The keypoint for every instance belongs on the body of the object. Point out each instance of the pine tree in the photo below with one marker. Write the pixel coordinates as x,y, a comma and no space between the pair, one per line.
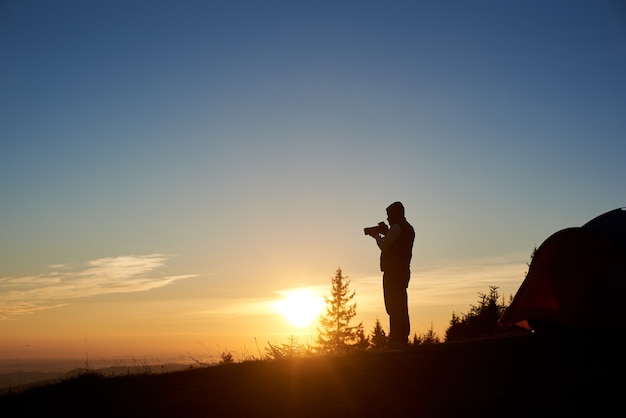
362,342
335,334
378,338
430,337
481,321
292,348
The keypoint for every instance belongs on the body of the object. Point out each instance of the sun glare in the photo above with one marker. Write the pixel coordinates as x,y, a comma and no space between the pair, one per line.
300,306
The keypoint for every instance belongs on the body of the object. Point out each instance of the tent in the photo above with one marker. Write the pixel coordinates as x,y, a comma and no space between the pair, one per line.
576,279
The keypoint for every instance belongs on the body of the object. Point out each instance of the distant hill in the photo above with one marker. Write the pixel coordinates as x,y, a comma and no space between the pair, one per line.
538,376
19,380
22,380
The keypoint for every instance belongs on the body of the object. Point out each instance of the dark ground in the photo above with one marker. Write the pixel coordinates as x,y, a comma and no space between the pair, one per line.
531,376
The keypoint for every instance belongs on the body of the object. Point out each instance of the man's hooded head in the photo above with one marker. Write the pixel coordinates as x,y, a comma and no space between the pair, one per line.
395,212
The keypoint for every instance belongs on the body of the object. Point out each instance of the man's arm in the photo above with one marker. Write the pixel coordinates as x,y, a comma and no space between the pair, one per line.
392,235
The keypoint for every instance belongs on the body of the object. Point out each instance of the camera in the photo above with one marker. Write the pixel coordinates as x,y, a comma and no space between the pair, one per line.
381,228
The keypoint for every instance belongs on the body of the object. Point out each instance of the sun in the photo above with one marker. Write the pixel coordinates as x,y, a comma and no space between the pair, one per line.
300,306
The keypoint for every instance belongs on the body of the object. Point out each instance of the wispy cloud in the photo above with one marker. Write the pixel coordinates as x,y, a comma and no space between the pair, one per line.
462,281
124,274
454,282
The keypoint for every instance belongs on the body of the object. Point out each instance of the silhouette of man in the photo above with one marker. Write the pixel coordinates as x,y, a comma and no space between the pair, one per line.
396,246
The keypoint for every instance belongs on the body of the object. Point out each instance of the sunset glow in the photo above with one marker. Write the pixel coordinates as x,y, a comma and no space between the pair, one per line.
300,307
183,178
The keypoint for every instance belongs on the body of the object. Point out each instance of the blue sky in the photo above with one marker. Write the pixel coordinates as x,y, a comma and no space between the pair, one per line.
217,153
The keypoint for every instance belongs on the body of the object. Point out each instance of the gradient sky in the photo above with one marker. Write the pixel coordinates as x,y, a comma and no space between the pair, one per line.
169,169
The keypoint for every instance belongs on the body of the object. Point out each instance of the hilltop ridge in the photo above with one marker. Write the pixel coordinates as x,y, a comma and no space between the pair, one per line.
505,377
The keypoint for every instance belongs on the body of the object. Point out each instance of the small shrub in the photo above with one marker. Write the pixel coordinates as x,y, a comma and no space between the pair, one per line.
292,348
226,358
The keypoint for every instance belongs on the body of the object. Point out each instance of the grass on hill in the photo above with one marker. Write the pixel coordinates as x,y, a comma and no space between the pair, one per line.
551,376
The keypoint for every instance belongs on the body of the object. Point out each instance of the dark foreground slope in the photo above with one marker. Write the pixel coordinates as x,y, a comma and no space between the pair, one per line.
512,377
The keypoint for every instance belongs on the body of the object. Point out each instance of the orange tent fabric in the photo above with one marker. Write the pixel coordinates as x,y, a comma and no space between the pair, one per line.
576,279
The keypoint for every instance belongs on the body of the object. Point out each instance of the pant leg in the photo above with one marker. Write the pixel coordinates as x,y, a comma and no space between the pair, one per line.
396,304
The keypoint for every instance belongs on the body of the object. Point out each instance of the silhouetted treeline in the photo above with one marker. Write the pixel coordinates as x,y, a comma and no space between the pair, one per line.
481,320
